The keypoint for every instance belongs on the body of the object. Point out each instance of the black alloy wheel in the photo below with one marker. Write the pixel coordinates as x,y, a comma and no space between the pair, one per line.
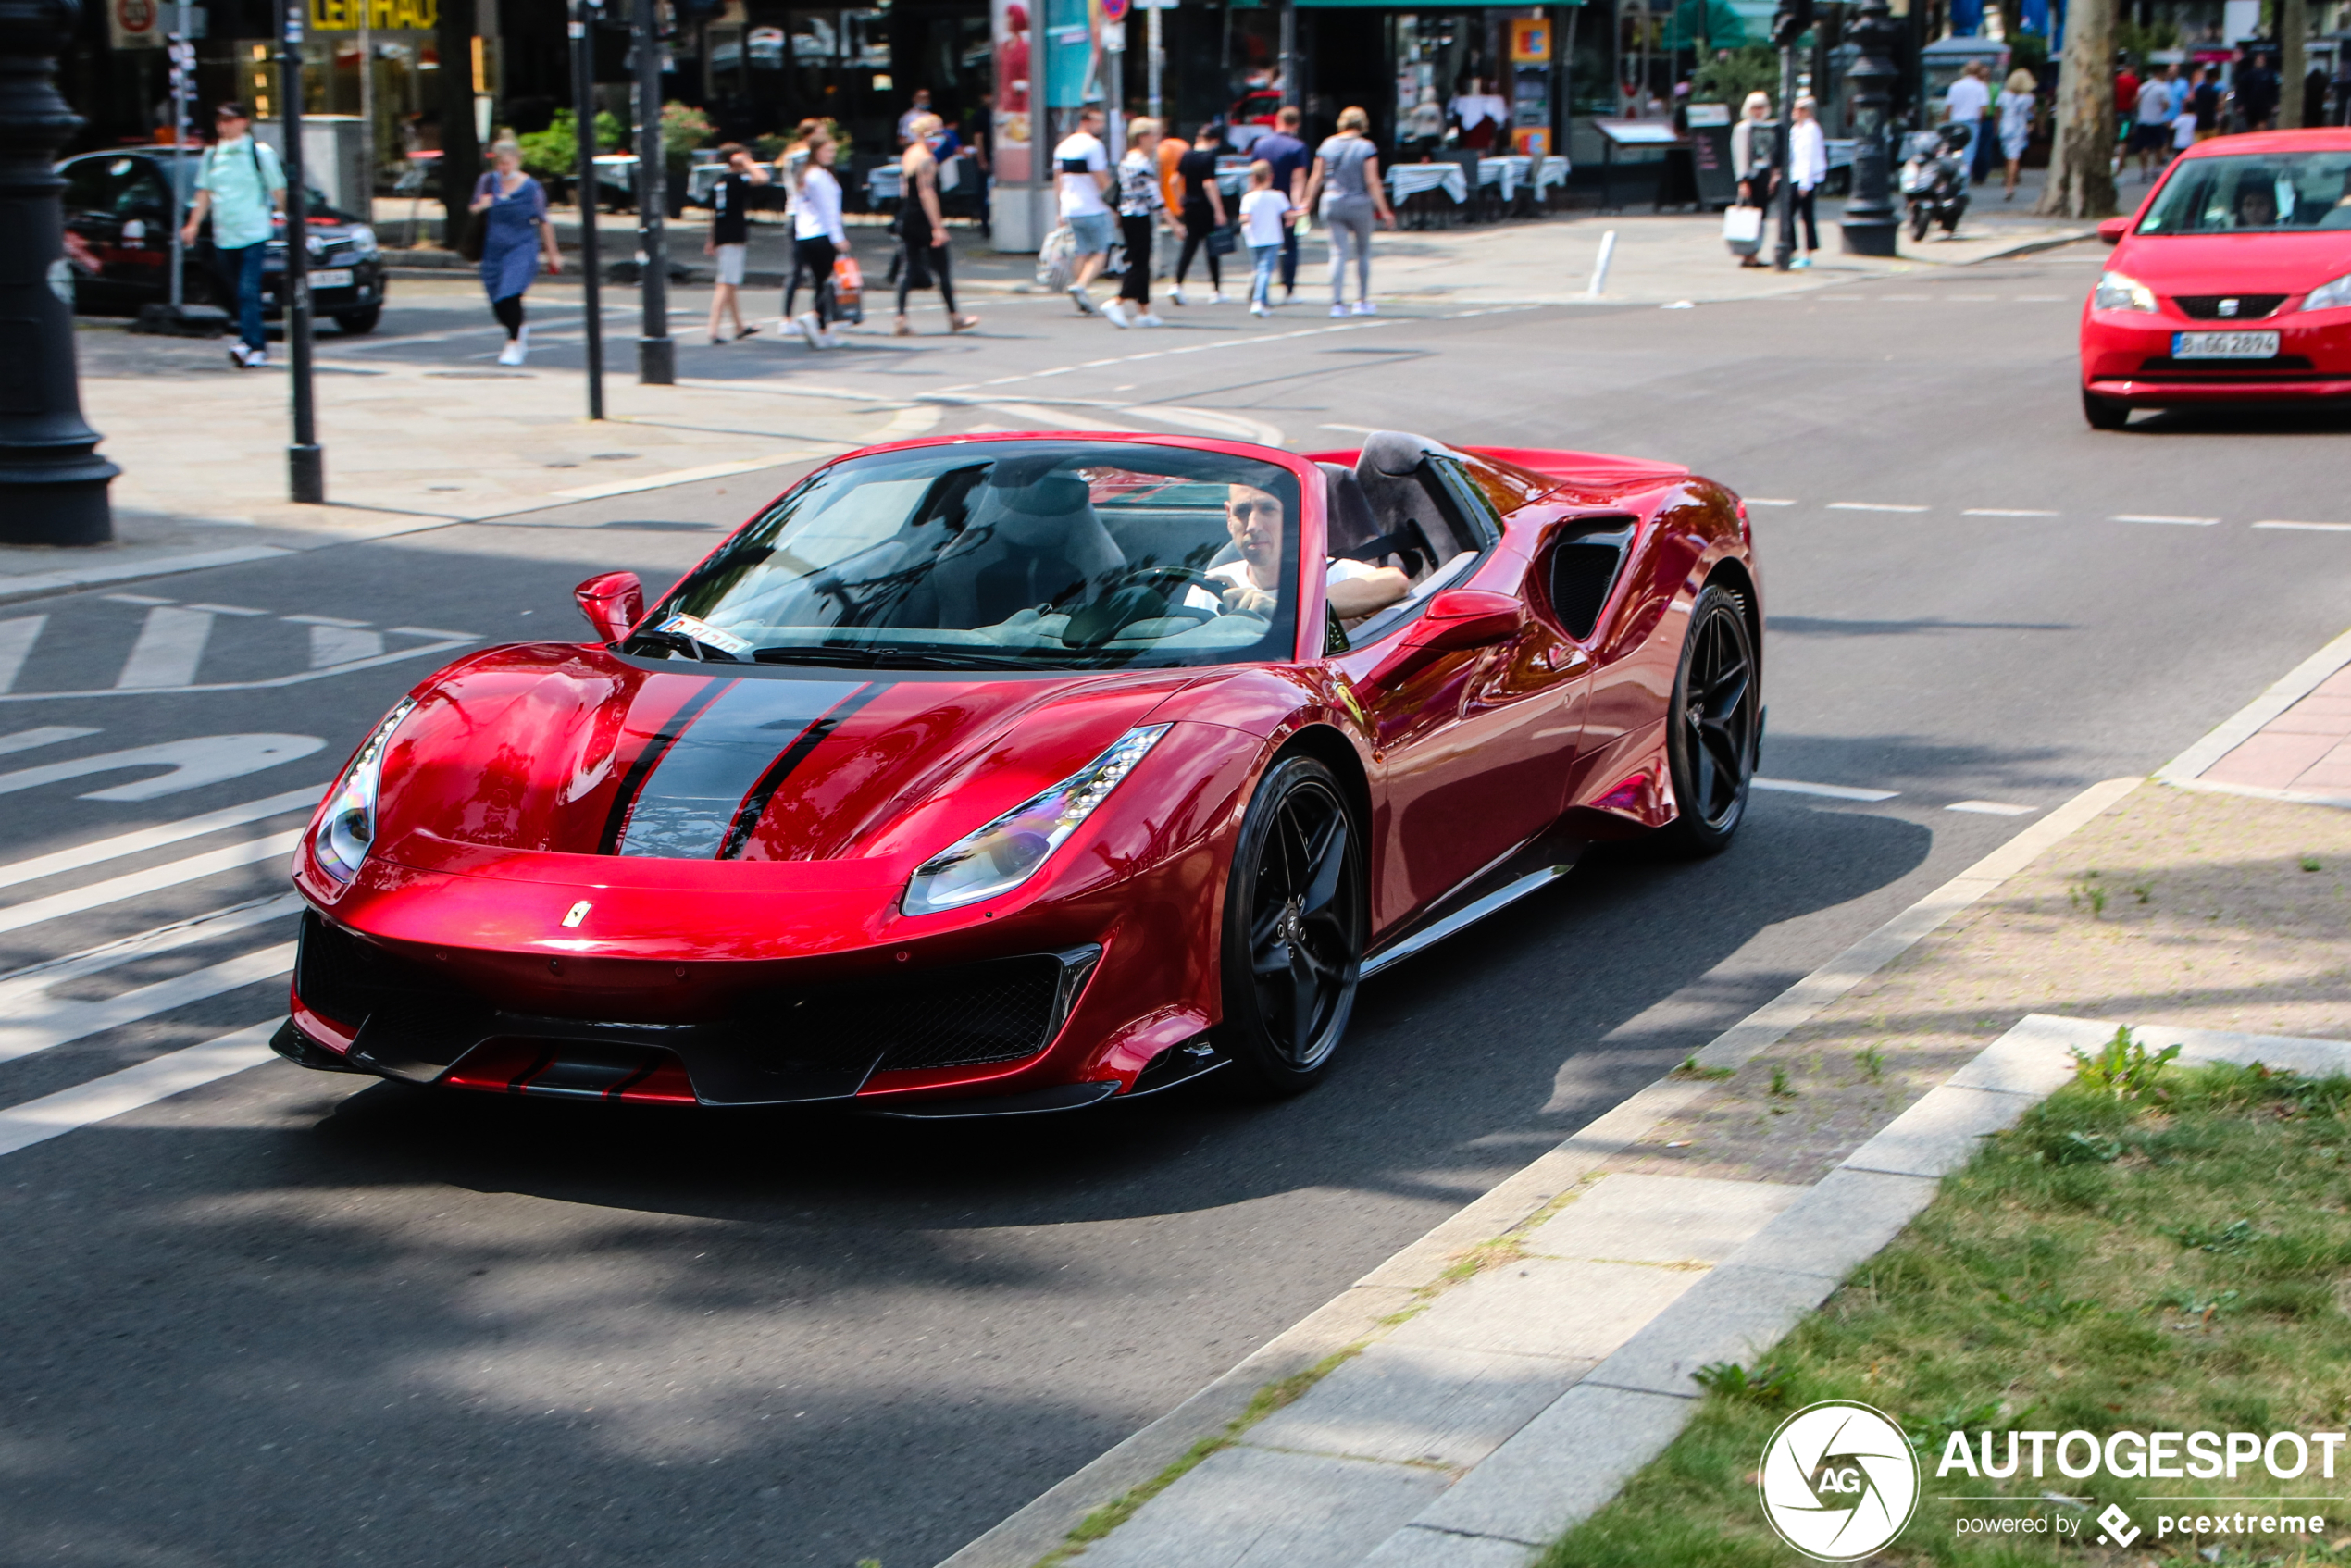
1711,729
1295,919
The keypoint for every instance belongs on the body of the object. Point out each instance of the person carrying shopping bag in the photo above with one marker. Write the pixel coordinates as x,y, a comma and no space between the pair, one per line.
1347,180
1265,215
1751,151
817,239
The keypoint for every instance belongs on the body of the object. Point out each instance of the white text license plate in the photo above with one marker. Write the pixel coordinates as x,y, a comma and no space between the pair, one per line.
2224,345
339,278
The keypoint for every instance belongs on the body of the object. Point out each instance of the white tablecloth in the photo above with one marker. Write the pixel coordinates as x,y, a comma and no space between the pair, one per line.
1411,178
1552,171
1510,171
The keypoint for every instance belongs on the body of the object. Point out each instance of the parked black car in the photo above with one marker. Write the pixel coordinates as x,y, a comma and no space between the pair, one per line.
117,208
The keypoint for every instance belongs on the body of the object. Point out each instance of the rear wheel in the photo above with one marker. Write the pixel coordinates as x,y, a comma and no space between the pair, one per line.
1295,918
354,322
2104,413
1711,729
1919,218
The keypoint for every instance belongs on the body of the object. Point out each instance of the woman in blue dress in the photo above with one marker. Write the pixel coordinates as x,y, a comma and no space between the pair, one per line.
516,234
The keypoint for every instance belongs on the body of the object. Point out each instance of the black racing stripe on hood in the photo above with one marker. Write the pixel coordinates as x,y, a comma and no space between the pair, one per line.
616,820
754,804
689,802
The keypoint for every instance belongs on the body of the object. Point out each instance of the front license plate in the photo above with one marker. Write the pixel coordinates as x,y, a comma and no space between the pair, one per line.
339,278
2224,345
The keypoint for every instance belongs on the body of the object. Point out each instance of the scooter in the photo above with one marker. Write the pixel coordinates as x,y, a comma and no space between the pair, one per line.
1934,178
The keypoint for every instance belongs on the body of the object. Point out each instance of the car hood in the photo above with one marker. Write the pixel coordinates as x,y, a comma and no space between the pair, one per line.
2220,264
540,750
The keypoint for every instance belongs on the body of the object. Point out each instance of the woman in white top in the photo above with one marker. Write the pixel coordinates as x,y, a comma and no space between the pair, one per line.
1807,170
817,239
790,165
2016,124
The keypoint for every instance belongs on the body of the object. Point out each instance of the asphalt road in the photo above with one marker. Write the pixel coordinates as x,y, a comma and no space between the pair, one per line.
290,1318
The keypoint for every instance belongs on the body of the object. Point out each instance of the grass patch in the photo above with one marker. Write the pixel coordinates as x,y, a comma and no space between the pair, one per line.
2151,1249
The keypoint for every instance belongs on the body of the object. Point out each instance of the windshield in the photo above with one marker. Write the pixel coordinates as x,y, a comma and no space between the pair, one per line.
2256,194
993,555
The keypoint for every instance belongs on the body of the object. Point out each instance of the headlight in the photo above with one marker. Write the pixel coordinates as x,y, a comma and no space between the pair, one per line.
2329,296
1009,850
2116,292
349,827
362,239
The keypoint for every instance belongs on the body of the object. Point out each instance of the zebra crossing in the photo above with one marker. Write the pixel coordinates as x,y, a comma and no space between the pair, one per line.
85,987
169,645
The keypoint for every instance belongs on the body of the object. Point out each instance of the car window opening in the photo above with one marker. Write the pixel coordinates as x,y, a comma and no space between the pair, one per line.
2254,194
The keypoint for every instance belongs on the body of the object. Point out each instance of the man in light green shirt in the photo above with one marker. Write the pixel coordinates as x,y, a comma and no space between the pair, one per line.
241,185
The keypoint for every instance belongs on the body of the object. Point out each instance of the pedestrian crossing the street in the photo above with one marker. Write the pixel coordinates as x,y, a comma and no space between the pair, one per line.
146,963
165,645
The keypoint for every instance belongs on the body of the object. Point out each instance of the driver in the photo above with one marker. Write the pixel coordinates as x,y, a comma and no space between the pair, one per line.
2257,206
1254,519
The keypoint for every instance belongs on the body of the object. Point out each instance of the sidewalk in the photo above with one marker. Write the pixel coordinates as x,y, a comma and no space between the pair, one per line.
1480,1393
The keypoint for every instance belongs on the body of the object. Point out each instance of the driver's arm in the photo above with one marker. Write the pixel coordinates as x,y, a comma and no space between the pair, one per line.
1355,597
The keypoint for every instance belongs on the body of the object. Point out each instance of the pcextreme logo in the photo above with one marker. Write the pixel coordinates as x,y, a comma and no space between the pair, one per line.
1839,1480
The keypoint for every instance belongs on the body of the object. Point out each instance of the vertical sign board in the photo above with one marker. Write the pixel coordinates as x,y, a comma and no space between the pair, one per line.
1711,154
1009,125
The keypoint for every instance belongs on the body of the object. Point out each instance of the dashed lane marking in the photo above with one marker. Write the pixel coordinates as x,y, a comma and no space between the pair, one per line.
1364,325
2161,517
1874,506
140,839
1833,792
1991,808
2006,512
2305,527
1765,501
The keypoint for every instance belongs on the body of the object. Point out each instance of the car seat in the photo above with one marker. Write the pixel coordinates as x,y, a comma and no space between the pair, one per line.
1405,518
1027,546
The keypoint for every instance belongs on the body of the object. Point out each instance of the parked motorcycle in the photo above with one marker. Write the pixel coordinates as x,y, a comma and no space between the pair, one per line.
1934,178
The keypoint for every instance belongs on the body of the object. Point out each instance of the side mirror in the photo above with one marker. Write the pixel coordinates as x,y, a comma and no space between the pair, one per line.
2112,229
612,602
1467,617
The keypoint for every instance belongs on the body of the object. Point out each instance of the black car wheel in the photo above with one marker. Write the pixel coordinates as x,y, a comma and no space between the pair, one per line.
1295,918
2104,413
354,322
1711,730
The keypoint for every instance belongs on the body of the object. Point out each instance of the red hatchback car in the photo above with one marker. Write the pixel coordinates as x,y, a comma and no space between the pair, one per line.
2231,284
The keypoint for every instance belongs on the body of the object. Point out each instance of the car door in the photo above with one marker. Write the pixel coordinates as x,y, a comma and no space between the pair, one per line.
1473,744
92,228
141,265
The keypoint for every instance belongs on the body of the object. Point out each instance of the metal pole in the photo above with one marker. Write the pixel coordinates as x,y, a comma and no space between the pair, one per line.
1289,55
1870,222
1784,159
583,94
366,203
1115,88
183,61
54,483
1156,64
306,465
656,356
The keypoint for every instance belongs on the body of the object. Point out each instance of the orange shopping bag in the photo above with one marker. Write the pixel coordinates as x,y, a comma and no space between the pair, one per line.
849,289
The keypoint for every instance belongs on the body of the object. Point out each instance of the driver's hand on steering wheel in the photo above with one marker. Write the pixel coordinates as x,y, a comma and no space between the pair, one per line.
1251,599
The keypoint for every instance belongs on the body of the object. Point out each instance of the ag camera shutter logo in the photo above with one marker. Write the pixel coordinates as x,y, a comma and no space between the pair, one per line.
1839,1480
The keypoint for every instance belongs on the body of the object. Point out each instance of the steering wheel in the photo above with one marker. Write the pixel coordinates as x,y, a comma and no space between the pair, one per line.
1136,595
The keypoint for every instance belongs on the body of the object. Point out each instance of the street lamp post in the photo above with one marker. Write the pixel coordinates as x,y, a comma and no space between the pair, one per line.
656,356
305,464
583,91
52,484
1871,222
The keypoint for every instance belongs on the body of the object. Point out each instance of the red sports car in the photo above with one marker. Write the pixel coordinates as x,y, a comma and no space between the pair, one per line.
1013,773
2231,284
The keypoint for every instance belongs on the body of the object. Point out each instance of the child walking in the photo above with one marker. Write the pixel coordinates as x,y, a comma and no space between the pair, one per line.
1265,212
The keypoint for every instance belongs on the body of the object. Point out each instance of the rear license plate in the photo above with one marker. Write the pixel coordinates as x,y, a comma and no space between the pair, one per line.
339,278
2224,345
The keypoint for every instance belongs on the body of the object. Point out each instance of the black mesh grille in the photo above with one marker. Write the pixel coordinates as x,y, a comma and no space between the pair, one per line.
947,1018
2243,370
345,979
2206,307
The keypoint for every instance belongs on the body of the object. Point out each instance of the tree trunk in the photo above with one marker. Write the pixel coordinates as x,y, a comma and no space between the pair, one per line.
460,148
2082,160
2293,60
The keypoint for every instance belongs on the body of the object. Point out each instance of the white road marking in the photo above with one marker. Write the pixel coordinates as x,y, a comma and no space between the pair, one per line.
26,740
36,1121
16,639
35,978
435,631
169,647
298,678
1765,501
2005,512
189,764
31,1029
2161,517
139,841
333,645
132,884
683,475
134,599
1237,426
2270,523
1160,353
1833,791
323,620
1060,419
229,610
1991,808
1872,506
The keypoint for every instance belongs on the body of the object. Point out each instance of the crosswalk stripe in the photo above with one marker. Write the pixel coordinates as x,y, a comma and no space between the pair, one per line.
331,645
48,735
27,1032
34,978
169,648
61,861
130,885
17,638
175,1071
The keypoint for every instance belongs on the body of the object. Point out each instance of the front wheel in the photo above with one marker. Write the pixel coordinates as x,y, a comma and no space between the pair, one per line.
1712,729
354,322
1919,218
2104,413
1295,921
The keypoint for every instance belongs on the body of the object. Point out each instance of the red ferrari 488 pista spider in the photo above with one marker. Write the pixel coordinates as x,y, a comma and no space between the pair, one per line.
1014,773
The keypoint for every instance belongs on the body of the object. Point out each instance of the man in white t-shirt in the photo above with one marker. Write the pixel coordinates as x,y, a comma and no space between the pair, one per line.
1254,520
2154,133
1081,174
1963,103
